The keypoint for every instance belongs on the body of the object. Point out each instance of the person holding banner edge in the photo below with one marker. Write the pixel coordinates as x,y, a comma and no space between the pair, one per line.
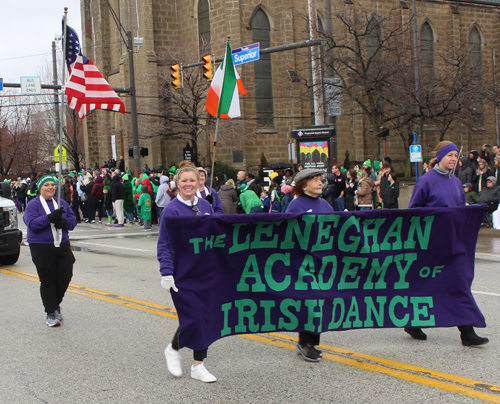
308,189
185,204
440,188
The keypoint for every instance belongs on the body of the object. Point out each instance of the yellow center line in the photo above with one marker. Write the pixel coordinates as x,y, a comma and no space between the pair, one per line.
415,374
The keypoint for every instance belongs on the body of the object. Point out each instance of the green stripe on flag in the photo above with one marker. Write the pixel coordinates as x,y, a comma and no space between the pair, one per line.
228,83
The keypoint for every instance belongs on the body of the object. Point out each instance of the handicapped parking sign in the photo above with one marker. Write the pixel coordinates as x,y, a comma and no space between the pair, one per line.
416,153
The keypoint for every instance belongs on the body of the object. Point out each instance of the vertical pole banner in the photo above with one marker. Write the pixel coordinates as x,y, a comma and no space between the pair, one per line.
240,274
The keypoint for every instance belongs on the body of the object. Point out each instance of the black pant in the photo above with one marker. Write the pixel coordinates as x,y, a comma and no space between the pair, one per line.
55,270
308,338
197,355
97,204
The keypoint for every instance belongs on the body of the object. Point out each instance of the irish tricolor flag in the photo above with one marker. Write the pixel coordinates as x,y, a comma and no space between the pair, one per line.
223,100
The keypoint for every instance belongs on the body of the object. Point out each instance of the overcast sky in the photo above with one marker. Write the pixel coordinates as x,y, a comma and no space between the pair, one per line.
27,28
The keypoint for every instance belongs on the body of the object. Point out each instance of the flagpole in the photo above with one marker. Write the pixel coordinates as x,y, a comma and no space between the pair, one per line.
213,154
218,118
61,133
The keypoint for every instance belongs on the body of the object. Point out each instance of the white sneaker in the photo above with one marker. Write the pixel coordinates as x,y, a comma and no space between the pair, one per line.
200,372
173,361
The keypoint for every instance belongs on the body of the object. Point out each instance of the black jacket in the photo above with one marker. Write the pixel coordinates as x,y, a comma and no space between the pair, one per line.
117,190
391,196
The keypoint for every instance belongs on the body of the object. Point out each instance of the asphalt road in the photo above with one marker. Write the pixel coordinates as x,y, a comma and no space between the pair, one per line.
118,321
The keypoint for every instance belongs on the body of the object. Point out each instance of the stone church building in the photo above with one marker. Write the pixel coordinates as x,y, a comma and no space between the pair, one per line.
279,97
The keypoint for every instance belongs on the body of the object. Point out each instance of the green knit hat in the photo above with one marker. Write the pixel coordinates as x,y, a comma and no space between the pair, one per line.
107,187
44,179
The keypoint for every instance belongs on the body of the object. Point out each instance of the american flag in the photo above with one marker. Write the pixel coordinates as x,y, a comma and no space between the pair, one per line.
86,88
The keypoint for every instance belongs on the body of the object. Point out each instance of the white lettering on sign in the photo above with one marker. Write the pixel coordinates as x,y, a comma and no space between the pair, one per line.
242,58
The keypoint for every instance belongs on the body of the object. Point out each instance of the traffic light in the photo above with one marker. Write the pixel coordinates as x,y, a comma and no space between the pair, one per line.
176,75
208,67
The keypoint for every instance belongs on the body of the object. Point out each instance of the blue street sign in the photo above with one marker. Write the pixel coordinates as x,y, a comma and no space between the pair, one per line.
246,54
415,153
1,84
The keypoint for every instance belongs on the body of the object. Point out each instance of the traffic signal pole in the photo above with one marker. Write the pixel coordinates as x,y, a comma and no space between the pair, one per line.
133,105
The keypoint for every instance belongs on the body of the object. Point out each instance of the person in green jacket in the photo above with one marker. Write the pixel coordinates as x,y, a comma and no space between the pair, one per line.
250,202
128,202
144,207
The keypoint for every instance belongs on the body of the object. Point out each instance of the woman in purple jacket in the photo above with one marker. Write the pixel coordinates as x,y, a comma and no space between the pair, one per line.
186,203
440,188
48,225
308,189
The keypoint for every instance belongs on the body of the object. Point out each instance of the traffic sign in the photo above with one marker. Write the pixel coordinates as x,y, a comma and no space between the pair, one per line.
31,85
333,95
415,153
246,54
57,154
1,84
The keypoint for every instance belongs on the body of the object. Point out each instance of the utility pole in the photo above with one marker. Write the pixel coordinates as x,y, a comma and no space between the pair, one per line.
54,81
417,66
331,120
133,105
319,109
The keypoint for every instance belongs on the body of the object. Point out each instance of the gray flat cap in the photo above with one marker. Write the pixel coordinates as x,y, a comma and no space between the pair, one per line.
307,173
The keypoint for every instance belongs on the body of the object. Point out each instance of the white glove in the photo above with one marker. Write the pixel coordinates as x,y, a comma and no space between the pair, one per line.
168,283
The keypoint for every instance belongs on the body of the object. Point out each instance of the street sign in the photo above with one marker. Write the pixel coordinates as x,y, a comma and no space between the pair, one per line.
246,54
31,85
334,108
64,153
415,153
1,84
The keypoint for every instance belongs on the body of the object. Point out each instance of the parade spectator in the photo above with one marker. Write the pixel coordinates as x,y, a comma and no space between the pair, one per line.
464,172
439,188
22,192
117,196
75,200
392,192
209,194
144,208
286,190
228,197
308,188
490,195
97,199
497,169
351,188
250,202
384,182
121,164
300,167
162,196
108,204
482,173
48,221
275,195
220,181
67,190
128,198
186,203
338,189
252,184
470,195
364,192
484,154
86,197
240,180
473,160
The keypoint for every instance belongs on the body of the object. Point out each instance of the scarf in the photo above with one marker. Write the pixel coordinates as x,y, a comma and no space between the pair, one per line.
56,233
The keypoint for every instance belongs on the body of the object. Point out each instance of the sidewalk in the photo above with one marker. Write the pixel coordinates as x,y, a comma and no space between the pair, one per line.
488,241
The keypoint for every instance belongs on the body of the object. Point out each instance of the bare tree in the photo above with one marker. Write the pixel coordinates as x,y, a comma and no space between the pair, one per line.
184,108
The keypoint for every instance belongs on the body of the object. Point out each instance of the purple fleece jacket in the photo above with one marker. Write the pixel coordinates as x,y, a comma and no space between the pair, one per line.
304,204
38,222
175,208
437,190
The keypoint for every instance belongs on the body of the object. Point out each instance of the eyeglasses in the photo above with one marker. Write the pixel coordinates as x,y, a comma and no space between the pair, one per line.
196,210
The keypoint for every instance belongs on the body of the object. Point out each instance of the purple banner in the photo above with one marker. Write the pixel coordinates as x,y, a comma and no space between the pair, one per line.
240,274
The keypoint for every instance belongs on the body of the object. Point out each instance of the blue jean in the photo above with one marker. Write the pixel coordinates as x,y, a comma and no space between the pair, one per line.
339,204
365,208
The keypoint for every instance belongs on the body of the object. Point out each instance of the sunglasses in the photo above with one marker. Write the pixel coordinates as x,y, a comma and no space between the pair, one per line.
196,210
